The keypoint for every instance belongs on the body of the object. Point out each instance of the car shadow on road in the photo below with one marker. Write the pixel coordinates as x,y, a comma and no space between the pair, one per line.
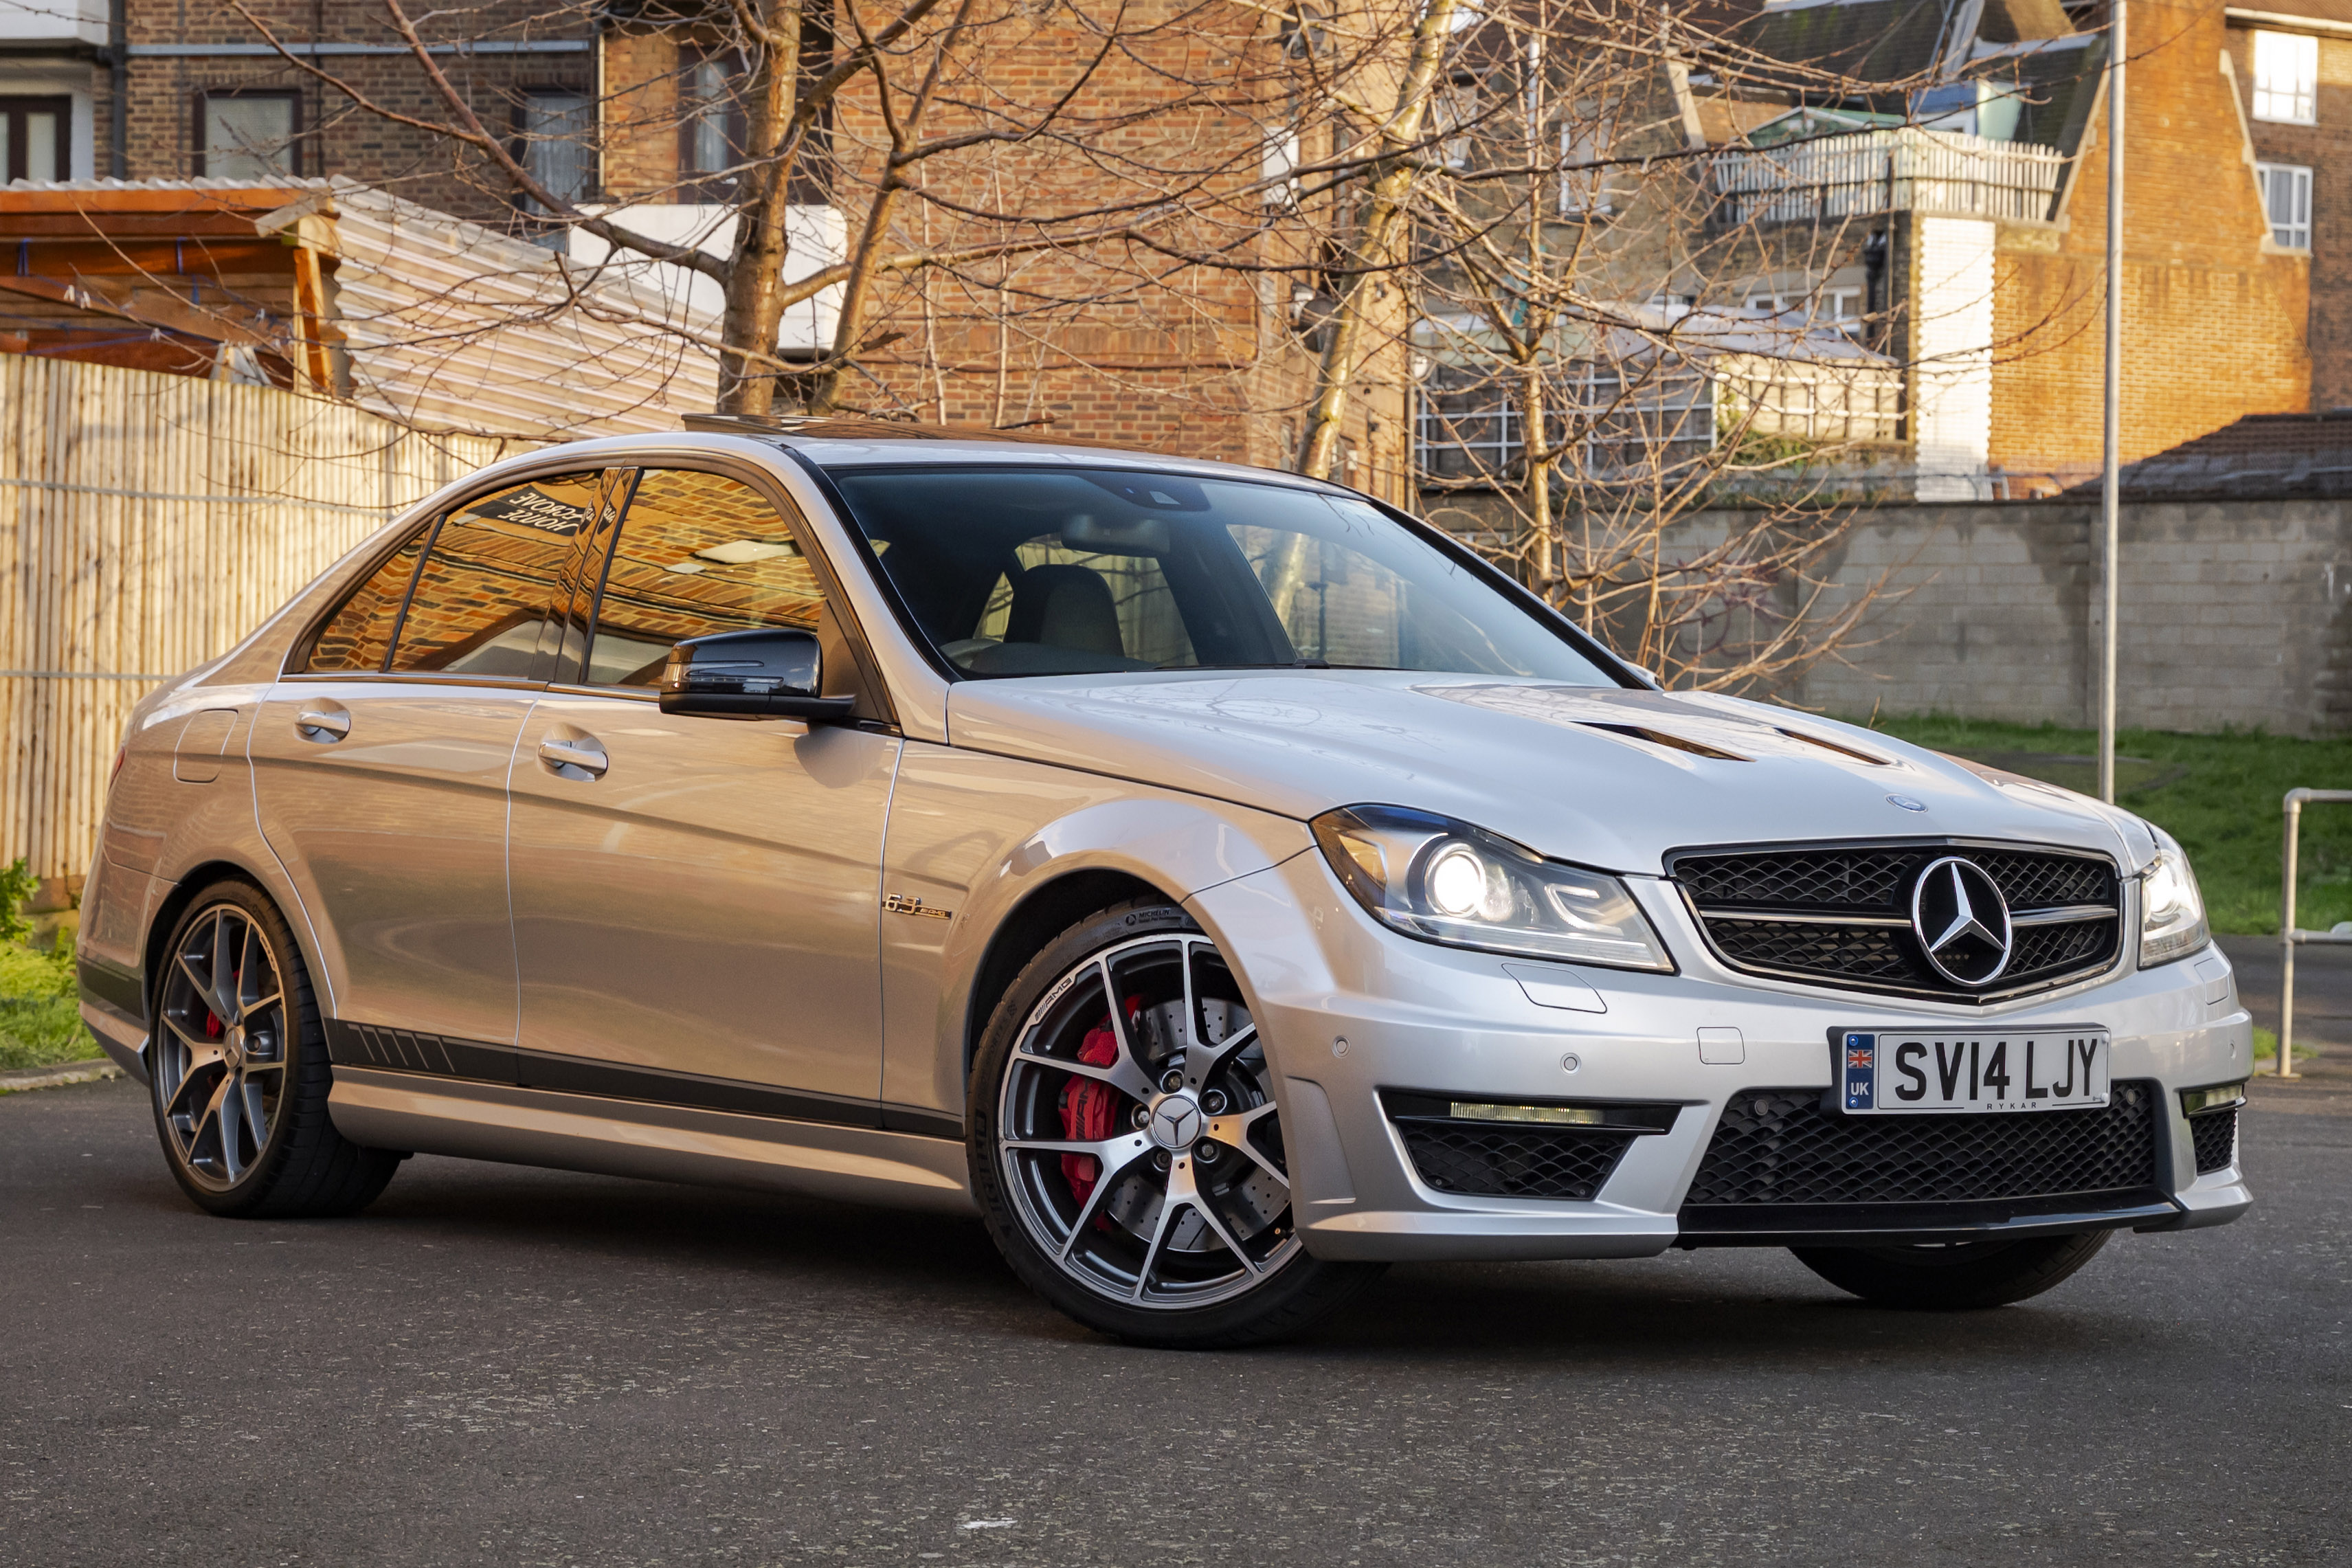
1695,1310
1746,1307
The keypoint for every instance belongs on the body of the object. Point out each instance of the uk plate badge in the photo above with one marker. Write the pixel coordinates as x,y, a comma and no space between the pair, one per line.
1861,1072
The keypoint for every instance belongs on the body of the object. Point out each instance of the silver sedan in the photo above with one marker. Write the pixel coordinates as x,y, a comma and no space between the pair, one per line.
1220,883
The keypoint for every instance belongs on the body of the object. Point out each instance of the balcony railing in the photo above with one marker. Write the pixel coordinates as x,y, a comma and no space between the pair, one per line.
1898,169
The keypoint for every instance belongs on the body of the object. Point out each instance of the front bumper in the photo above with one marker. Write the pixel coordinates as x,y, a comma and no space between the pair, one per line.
1352,1012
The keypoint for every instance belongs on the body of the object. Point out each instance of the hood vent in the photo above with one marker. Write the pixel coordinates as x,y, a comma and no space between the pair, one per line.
1833,746
1671,742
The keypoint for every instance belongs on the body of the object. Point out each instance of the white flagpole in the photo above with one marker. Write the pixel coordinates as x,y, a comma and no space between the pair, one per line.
2110,483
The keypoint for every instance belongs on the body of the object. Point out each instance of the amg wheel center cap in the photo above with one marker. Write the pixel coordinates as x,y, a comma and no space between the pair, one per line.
233,1046
1177,1122
1961,921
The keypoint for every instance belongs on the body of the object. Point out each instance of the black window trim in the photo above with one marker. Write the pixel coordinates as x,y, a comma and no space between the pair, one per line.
1446,545
29,103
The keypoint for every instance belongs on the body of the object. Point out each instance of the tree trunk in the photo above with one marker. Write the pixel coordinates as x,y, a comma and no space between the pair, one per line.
754,314
1392,184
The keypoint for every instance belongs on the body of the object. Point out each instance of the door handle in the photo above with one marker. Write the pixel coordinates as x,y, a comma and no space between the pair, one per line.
321,724
574,759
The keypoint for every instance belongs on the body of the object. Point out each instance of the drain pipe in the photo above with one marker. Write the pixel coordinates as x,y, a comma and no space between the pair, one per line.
118,63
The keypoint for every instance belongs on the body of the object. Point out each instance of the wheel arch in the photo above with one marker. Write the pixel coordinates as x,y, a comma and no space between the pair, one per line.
1043,914
190,885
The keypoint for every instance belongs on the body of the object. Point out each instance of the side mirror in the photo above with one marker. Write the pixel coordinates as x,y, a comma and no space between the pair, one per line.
771,673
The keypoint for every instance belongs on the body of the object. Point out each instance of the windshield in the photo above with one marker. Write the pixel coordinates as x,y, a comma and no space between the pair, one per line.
1066,571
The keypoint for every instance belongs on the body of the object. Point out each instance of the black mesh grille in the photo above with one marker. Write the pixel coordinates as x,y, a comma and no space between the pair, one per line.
1823,880
1736,895
1778,1146
1483,1159
2037,949
2215,1133
1861,951
2032,881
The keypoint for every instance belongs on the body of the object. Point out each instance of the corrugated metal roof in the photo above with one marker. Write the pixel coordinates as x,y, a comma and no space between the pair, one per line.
452,326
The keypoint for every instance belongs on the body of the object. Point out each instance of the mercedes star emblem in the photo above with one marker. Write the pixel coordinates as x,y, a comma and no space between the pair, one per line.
1962,921
1176,1122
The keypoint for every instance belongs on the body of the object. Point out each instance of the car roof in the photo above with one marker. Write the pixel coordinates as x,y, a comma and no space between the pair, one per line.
833,442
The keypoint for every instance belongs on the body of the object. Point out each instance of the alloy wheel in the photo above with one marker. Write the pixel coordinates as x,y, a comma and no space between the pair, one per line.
221,1058
1138,1133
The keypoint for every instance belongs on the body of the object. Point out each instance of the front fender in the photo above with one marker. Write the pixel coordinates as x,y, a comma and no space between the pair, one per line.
975,838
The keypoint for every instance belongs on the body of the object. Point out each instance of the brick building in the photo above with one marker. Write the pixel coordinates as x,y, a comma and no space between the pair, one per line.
1945,204
2292,64
628,105
2000,310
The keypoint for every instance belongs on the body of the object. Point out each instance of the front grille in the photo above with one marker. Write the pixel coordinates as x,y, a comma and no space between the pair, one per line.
1779,1146
2215,1133
1487,1159
1841,915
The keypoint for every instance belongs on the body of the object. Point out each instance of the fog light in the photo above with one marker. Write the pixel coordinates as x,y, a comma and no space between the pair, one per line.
2221,1096
1564,1115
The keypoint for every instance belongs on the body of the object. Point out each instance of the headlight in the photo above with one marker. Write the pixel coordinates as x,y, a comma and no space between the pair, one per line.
2171,910
1442,880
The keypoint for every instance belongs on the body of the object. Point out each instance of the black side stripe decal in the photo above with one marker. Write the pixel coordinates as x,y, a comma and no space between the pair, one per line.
442,1056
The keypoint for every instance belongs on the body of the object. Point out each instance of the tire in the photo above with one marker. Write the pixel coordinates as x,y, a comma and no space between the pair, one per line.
1132,1172
239,1073
1953,1276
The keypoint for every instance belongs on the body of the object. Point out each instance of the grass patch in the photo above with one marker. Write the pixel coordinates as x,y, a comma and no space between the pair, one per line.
40,1024
2219,795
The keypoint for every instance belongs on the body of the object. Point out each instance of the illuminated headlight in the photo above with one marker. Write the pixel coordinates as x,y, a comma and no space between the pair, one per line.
1445,882
2171,910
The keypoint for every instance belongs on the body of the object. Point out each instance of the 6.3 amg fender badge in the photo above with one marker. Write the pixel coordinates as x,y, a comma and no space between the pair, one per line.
1961,921
903,904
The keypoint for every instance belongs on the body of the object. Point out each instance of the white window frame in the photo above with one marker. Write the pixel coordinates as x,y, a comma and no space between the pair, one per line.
1584,189
2286,203
2286,77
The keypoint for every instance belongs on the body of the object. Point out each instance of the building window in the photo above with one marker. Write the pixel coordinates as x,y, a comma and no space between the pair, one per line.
1454,112
558,135
711,132
1583,176
247,135
2286,76
2286,201
36,140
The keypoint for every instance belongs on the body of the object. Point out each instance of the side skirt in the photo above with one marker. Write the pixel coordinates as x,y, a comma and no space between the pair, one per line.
438,1114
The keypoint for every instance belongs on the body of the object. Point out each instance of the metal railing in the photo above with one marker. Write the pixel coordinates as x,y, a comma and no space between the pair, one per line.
1896,169
2289,938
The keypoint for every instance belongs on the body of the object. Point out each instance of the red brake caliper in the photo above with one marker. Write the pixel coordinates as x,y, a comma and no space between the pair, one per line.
1087,1103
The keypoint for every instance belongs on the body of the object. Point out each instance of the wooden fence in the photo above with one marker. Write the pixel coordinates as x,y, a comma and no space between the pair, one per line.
147,523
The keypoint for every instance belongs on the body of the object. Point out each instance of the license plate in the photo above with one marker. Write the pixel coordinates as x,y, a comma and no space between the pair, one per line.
1974,1069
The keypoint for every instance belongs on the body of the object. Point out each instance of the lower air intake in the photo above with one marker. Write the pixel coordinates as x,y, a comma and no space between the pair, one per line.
2215,1133
1777,1146
1484,1160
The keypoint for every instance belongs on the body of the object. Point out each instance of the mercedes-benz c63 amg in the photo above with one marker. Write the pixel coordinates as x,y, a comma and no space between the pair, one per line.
1220,883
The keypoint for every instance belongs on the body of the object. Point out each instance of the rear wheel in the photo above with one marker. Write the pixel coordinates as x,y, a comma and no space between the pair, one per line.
1954,1276
1126,1149
239,1069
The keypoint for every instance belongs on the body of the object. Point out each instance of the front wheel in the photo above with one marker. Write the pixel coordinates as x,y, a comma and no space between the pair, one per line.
1953,1276
1126,1149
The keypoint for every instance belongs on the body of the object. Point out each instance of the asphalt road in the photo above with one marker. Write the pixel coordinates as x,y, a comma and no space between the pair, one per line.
518,1367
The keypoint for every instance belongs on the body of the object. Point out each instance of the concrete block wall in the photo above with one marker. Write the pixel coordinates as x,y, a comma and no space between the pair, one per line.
2234,614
